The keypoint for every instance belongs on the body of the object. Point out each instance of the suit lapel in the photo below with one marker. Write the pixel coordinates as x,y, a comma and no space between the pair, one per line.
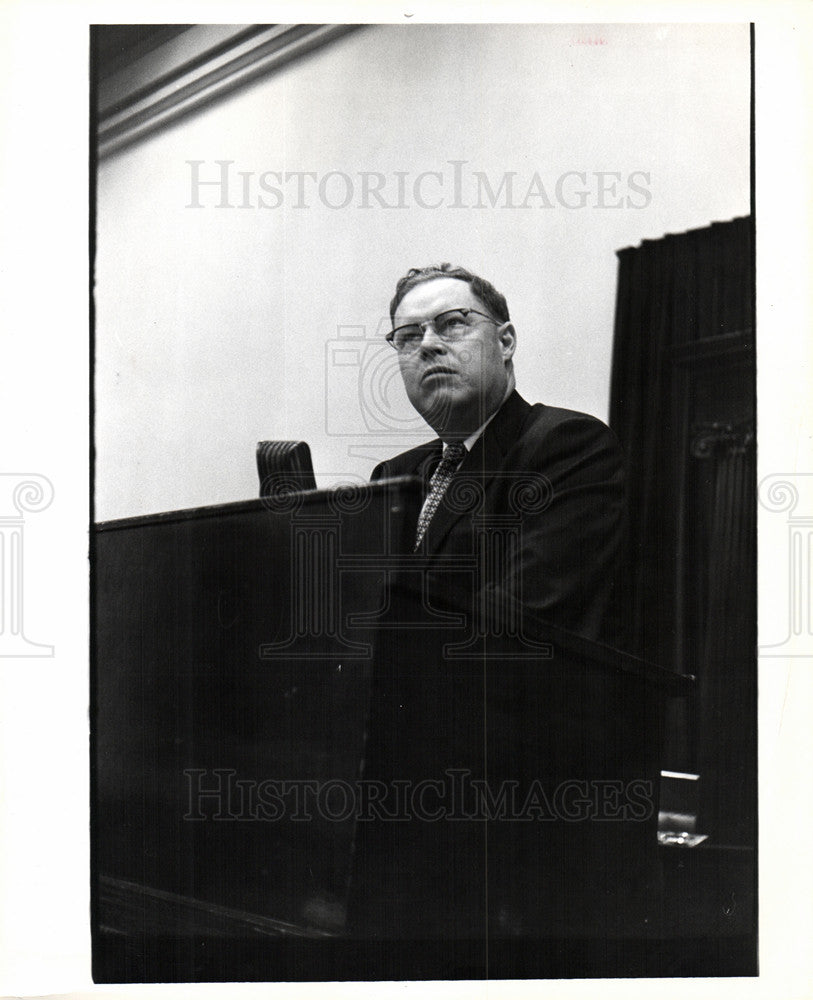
420,462
483,461
428,462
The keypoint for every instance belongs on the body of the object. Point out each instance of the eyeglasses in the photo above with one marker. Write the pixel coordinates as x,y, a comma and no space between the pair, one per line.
451,325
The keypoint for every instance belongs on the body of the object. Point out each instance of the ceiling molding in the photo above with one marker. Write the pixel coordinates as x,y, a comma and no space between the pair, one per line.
193,69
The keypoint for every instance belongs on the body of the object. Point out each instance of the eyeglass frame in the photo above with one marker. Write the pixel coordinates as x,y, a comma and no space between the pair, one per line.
465,310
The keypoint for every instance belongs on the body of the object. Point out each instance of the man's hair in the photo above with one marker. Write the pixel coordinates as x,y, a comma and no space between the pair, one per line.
484,290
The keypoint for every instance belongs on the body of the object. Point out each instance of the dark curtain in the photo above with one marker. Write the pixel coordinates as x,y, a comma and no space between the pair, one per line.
682,405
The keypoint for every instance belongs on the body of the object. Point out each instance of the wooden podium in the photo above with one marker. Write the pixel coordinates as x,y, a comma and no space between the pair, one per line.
309,766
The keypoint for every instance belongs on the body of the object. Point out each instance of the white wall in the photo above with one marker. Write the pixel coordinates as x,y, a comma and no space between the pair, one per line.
216,327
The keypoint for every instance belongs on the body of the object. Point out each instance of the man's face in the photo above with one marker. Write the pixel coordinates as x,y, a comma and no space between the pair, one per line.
454,385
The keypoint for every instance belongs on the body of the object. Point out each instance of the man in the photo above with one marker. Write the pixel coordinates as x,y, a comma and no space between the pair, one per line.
555,474
528,501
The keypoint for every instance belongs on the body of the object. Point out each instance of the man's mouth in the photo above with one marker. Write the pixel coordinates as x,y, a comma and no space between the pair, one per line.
437,370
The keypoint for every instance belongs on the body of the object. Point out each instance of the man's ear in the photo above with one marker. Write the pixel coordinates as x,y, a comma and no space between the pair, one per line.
508,340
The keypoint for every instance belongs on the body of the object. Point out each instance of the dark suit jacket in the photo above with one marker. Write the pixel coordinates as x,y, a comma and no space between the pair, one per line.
551,478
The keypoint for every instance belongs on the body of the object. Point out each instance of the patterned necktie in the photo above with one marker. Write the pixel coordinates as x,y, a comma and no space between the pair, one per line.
452,454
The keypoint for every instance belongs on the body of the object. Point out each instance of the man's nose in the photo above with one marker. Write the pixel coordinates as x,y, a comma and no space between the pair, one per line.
431,342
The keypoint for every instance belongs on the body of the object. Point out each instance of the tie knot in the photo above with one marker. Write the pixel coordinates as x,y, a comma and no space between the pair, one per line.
454,451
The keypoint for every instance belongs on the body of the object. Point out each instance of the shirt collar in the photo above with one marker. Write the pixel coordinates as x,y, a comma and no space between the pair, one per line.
471,440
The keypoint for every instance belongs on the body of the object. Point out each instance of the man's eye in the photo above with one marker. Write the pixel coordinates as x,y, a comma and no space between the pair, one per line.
410,336
453,321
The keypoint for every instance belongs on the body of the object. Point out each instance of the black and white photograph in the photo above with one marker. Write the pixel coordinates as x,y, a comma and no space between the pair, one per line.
450,682
423,383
